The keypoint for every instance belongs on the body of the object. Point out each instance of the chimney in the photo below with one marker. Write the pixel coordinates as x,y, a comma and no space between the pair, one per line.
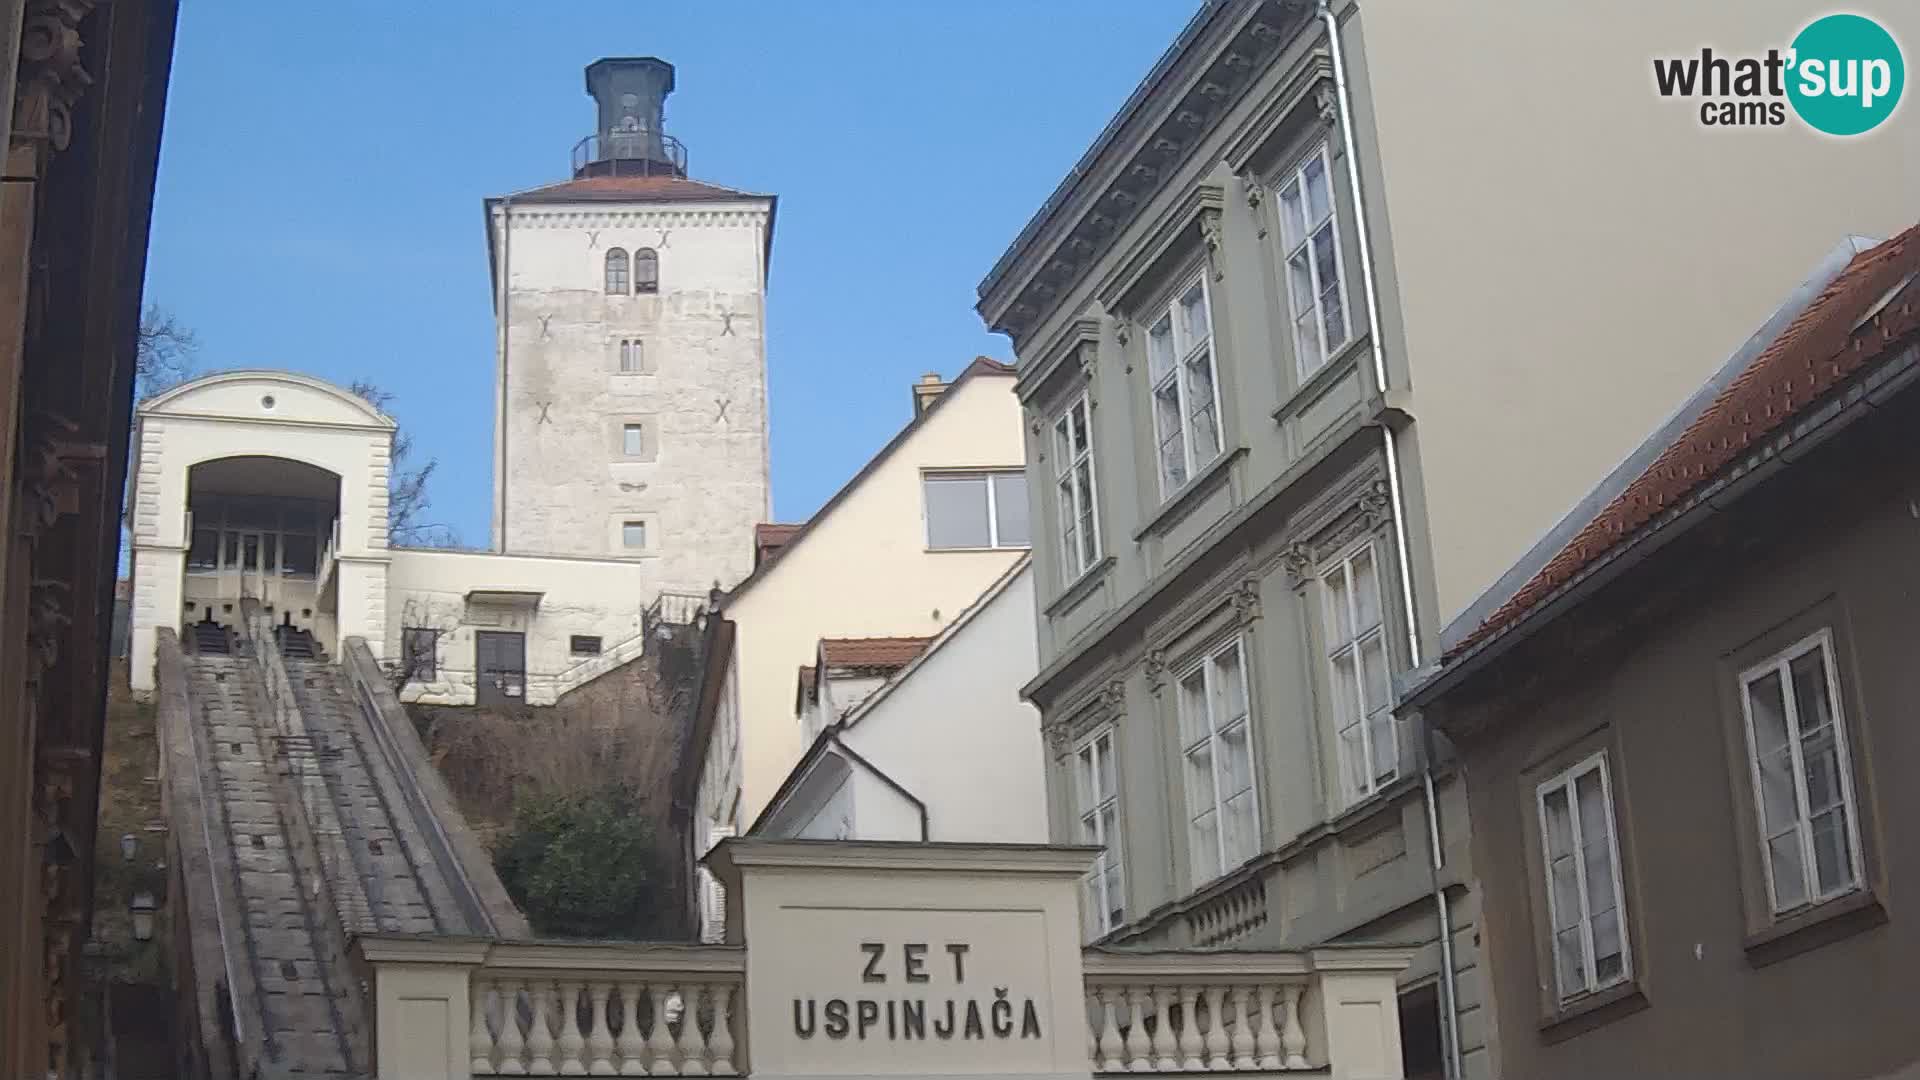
924,391
630,95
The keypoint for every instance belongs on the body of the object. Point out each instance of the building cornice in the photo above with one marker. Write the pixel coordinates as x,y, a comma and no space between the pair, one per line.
1181,102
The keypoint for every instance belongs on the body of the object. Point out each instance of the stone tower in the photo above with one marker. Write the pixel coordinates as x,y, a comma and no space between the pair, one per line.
630,375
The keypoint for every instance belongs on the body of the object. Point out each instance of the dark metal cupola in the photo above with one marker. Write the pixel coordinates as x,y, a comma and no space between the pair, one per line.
630,94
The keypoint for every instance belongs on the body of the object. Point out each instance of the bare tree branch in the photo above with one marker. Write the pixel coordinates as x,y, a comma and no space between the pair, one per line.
407,498
163,353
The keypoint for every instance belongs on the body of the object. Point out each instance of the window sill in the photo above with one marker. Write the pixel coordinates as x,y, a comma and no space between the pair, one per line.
1602,1007
977,550
1337,367
1178,502
1088,580
1823,924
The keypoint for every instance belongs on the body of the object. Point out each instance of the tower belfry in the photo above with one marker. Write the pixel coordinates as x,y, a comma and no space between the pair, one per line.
631,365
631,95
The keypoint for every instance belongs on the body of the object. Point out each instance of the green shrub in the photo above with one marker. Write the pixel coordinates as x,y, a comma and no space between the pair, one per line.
581,863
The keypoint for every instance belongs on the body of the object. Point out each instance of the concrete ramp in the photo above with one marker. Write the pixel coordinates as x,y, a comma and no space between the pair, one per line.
301,821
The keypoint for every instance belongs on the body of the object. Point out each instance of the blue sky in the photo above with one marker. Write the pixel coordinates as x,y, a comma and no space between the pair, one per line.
323,167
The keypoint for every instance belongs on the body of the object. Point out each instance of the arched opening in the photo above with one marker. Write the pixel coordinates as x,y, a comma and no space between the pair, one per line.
646,271
617,272
262,528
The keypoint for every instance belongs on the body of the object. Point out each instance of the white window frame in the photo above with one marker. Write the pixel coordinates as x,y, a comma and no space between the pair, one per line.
1295,179
1207,662
713,895
1781,663
1184,351
633,440
642,545
993,507
1564,781
1079,539
630,356
1089,809
1342,564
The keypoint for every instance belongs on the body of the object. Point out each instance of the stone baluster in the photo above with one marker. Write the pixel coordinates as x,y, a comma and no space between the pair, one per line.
1217,1044
722,1042
479,1039
1190,1044
571,1042
510,1043
600,1042
1165,1047
659,1045
1243,1027
693,1045
1293,1038
1106,1036
539,1035
1138,1051
1266,1037
633,1046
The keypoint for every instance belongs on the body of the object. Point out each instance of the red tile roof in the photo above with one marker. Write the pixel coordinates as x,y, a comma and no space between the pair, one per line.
630,189
1808,358
874,652
769,537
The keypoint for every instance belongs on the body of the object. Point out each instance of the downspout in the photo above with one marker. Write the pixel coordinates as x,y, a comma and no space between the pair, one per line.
500,411
1389,445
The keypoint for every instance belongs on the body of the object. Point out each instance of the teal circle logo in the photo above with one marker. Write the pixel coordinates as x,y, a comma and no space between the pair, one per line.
1846,74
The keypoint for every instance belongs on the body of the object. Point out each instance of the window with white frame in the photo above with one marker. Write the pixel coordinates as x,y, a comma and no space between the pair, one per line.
632,358
1310,233
1186,416
1585,900
1357,665
633,439
1097,803
976,510
1216,744
1802,775
1073,480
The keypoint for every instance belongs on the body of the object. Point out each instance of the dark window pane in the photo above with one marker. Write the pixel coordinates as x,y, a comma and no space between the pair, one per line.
957,512
301,557
583,645
646,271
1010,505
204,553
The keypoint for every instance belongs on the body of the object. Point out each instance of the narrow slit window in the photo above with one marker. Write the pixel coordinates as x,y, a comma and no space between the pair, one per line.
632,359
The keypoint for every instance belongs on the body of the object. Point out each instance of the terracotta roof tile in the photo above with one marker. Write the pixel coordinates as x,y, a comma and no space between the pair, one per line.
630,189
876,652
1808,358
769,537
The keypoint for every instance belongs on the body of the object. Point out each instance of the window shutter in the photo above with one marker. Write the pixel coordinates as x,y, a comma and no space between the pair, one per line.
713,895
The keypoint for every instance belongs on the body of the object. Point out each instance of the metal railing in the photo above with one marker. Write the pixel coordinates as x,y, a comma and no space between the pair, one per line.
629,153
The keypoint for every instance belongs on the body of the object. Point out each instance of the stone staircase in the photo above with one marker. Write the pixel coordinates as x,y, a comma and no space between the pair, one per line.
302,822
299,1003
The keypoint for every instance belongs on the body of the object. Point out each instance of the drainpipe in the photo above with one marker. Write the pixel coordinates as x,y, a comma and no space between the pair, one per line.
1396,497
501,299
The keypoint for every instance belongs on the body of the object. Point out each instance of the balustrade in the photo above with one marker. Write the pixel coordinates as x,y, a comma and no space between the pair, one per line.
602,1023
1196,1012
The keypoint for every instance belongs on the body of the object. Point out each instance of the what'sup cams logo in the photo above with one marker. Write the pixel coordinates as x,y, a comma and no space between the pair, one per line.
1842,75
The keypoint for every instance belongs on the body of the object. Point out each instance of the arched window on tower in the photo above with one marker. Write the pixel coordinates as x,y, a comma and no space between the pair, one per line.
646,271
617,272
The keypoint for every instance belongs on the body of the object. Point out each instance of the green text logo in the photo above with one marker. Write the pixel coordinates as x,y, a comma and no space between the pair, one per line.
1847,74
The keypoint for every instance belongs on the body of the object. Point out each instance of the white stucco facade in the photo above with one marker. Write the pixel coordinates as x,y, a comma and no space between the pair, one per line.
273,486
861,567
278,430
945,750
580,363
